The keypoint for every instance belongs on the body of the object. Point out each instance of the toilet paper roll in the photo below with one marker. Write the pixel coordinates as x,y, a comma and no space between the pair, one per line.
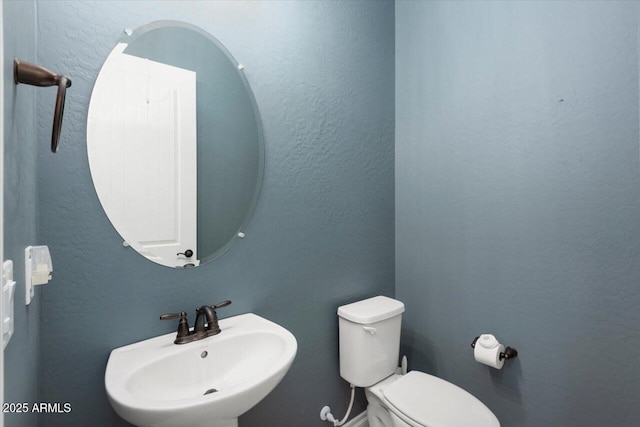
487,351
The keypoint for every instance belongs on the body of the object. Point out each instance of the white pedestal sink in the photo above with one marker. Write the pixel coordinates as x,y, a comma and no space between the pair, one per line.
156,383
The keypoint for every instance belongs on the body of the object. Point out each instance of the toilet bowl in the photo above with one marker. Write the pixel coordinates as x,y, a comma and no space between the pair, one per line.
378,415
369,353
422,400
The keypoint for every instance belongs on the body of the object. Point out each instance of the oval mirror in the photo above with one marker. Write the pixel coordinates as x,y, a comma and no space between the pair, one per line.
175,144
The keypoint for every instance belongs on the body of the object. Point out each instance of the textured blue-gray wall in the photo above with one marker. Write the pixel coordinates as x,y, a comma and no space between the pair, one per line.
20,207
322,232
518,203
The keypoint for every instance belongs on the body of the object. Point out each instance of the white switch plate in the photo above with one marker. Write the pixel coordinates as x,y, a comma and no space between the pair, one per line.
8,292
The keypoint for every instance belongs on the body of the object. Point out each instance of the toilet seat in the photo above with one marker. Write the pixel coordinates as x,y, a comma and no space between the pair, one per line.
426,401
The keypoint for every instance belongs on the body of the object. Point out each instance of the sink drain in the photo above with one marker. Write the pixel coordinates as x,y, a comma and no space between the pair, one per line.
211,390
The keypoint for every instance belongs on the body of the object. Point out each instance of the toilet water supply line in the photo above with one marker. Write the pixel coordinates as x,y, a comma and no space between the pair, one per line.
325,413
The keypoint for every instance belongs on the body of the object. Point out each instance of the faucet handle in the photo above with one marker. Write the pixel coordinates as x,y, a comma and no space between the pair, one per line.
183,325
221,304
170,316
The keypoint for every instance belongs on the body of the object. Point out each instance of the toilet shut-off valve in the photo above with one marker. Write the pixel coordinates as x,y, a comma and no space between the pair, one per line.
326,415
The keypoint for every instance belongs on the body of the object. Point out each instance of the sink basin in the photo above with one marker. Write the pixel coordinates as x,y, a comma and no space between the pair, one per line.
156,383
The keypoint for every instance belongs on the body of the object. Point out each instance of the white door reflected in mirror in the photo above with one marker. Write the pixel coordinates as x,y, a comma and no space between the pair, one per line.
143,121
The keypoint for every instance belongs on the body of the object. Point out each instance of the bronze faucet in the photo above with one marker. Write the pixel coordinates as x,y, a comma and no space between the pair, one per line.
206,323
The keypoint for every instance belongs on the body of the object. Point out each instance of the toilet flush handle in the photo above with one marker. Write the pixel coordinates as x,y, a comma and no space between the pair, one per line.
370,329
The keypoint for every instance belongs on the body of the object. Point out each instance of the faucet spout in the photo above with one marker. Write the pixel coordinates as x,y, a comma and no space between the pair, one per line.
204,314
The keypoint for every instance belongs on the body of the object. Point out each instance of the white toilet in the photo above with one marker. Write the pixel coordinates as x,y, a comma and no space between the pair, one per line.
369,354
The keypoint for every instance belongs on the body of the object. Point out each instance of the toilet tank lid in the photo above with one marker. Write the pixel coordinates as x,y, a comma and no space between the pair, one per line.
433,402
371,310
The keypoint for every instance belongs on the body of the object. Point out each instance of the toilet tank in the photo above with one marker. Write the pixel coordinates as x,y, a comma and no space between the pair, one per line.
369,339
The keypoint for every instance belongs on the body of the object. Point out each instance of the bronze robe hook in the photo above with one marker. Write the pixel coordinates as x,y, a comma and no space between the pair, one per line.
35,75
